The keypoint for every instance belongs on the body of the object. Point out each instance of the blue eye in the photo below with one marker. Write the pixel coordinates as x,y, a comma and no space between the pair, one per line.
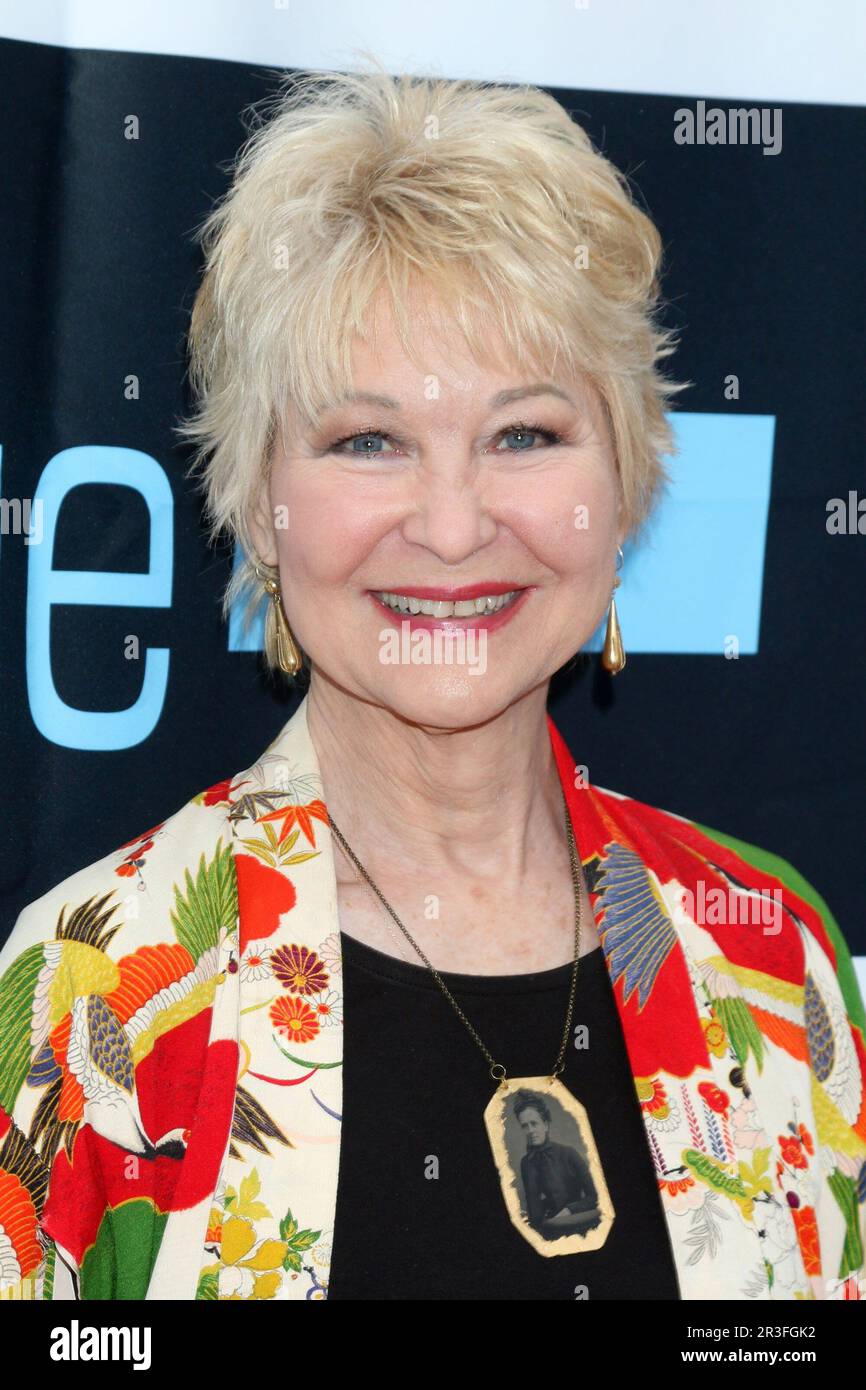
525,440
363,440
355,440
527,434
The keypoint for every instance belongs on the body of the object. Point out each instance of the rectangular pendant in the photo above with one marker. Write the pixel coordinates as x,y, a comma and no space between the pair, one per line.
548,1166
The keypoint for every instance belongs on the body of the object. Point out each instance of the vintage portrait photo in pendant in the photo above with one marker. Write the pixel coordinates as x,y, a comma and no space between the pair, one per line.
548,1166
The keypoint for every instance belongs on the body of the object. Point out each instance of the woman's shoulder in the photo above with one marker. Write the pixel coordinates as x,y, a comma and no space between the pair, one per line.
134,889
107,985
674,831
744,869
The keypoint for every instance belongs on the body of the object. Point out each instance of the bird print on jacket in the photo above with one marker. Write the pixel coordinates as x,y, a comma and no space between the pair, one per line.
171,1023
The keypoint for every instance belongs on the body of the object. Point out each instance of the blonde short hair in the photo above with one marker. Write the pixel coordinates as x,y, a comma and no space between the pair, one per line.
491,195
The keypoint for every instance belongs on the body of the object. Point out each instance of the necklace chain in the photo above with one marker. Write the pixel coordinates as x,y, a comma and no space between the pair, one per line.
497,1071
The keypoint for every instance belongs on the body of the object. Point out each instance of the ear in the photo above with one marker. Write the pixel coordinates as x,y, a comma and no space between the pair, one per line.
261,524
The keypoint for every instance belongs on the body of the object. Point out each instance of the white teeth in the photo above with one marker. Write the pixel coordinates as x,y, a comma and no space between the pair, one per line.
440,608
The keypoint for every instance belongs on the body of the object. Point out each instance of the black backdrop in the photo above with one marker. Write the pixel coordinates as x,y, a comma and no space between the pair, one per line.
98,268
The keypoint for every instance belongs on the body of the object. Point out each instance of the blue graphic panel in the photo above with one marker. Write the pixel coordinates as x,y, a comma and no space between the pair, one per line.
251,638
694,577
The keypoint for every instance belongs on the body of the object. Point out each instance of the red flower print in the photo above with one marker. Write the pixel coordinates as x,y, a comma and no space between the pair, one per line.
715,1035
806,1138
792,1151
304,815
806,1227
299,969
676,1186
294,1019
217,793
134,860
264,894
715,1098
653,1097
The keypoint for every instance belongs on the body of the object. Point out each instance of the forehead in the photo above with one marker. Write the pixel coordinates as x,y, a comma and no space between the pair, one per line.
441,375
429,369
436,363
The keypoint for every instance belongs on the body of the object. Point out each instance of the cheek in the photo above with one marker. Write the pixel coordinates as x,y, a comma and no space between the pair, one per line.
326,534
569,523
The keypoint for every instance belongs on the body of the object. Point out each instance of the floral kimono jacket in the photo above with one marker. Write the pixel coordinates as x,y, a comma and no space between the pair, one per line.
171,1045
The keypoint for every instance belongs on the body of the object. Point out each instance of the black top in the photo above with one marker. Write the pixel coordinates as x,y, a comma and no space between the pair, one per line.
420,1212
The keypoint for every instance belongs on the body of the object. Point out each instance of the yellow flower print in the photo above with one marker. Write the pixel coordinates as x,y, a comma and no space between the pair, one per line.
244,1203
248,1270
244,1270
715,1036
653,1096
214,1227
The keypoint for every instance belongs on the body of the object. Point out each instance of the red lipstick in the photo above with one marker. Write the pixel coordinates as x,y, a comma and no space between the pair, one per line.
488,621
453,595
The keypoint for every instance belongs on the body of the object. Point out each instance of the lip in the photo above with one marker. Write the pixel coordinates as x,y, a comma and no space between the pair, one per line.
489,622
454,595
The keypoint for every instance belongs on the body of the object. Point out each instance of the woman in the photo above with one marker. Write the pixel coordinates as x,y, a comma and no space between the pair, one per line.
591,1049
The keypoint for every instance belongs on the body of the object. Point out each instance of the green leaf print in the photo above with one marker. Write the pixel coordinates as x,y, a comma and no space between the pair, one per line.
297,1241
208,902
120,1262
711,1172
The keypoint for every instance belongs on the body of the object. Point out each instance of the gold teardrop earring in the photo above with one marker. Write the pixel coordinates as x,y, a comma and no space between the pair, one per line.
613,652
278,634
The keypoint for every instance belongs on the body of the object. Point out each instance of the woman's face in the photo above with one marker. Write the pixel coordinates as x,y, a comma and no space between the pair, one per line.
453,483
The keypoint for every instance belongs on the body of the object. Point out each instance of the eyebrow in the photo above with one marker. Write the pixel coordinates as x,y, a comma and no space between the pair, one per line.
538,388
515,393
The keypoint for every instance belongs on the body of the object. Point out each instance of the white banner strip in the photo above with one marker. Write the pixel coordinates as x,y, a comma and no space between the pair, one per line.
744,50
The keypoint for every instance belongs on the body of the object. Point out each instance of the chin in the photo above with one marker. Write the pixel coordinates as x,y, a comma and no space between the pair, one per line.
447,698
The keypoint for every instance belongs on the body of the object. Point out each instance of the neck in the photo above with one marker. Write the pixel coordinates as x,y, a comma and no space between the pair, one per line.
470,801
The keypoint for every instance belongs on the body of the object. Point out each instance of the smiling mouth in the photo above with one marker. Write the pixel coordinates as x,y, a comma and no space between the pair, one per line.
482,606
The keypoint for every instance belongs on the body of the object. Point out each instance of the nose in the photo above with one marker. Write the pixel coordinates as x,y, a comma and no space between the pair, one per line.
448,514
